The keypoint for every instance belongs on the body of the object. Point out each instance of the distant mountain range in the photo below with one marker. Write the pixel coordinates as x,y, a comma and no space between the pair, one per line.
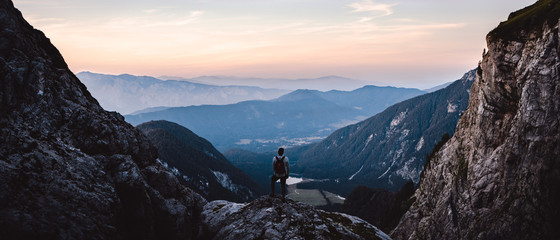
198,164
397,139
389,148
297,118
325,83
438,87
127,93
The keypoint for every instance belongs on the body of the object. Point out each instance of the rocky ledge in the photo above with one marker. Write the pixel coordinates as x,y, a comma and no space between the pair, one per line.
272,218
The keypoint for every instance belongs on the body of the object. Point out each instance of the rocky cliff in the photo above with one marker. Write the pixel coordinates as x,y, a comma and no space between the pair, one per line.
69,169
270,218
499,176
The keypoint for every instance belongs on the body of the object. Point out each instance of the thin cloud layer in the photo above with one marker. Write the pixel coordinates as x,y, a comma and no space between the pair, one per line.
370,6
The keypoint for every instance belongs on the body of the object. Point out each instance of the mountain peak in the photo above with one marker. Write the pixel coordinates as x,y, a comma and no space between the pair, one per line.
300,94
527,21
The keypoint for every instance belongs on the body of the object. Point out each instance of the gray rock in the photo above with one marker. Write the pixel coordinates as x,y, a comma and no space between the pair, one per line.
499,176
69,169
270,218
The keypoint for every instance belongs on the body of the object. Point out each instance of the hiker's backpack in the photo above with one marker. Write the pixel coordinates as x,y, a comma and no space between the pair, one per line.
279,165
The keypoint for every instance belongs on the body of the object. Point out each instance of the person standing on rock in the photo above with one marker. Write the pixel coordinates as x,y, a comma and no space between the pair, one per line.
281,167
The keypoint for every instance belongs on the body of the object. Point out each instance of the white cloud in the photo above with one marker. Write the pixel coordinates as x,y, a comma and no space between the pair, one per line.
370,6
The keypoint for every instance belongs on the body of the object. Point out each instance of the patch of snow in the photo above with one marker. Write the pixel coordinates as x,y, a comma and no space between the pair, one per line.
408,171
420,144
226,182
175,171
398,119
162,163
384,173
451,108
369,139
392,164
341,198
404,133
367,142
40,93
353,175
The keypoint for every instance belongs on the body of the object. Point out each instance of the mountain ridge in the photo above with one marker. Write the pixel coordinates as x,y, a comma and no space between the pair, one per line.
300,117
199,165
128,93
324,83
388,149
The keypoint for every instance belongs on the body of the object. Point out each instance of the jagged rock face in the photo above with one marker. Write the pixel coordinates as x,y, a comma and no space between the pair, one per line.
270,218
499,176
69,169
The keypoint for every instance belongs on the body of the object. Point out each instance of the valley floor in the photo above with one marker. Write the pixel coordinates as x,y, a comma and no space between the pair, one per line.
314,197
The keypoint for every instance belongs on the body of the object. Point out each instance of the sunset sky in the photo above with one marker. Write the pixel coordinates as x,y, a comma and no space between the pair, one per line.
412,43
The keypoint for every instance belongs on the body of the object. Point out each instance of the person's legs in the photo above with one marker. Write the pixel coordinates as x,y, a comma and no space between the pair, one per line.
273,180
283,184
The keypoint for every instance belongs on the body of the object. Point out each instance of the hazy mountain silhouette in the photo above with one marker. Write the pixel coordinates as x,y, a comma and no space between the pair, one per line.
127,93
297,118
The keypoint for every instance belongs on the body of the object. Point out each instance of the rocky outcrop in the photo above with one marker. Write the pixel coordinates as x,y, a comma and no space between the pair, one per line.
499,176
69,169
270,218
